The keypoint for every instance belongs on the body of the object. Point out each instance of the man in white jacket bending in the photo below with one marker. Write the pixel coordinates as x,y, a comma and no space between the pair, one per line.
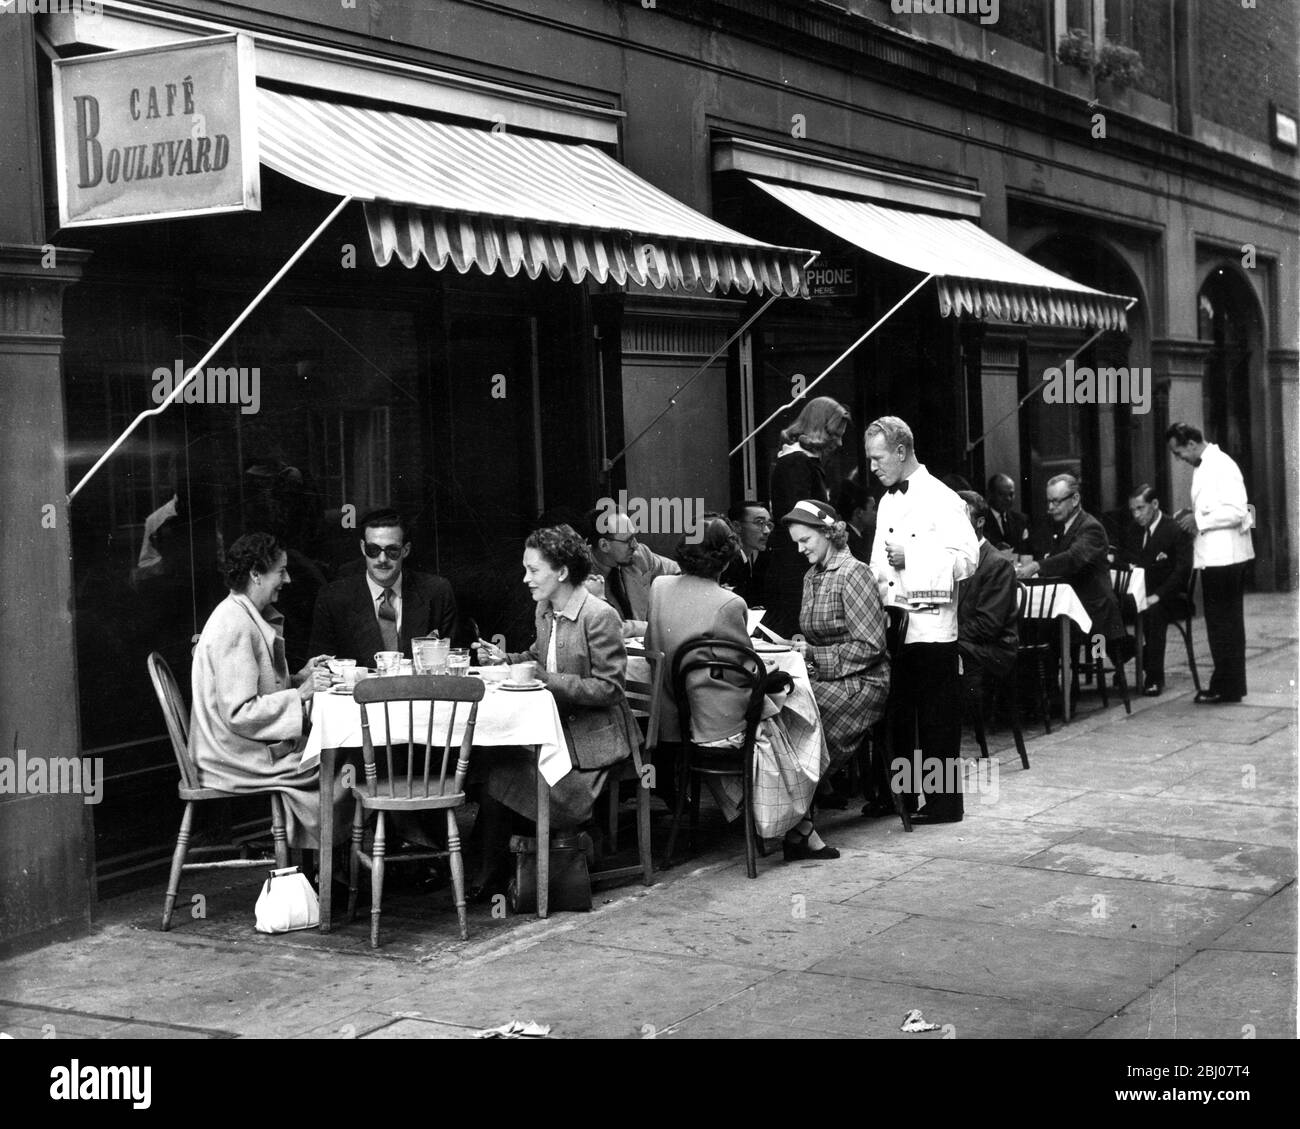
1220,521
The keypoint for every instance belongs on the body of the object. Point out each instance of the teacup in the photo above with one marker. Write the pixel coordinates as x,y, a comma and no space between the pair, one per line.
494,675
523,673
388,662
340,669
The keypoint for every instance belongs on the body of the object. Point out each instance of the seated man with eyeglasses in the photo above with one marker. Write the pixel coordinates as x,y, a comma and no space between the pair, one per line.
1078,556
747,572
622,568
387,606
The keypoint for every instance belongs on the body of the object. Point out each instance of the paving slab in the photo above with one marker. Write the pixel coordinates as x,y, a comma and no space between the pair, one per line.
782,927
606,992
418,1029
799,1004
1270,927
1084,774
1094,906
976,837
1045,968
1215,995
1248,784
1153,857
1200,819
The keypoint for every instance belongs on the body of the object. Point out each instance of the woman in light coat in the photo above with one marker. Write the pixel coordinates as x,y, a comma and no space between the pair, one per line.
248,713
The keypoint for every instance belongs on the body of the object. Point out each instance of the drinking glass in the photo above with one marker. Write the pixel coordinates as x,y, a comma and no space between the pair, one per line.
458,661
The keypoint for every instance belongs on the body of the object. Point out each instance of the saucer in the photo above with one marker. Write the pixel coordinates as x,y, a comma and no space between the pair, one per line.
535,684
340,689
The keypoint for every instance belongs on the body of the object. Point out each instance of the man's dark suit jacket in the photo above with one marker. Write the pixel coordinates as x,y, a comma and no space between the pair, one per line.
1079,556
1167,561
987,607
345,624
747,580
1010,532
860,543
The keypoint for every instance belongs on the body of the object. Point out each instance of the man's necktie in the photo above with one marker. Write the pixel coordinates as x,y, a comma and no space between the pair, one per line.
897,488
1146,537
388,621
616,591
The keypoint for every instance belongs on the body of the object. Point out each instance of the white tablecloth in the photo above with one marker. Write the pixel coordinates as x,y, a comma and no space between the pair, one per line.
1062,599
1067,601
1137,586
505,717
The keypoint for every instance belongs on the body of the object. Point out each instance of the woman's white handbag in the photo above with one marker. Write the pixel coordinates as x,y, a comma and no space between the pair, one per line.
287,902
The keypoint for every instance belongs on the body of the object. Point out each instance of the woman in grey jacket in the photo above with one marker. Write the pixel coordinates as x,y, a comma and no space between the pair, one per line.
581,659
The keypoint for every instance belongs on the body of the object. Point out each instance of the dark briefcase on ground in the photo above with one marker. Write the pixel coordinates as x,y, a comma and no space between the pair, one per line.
570,883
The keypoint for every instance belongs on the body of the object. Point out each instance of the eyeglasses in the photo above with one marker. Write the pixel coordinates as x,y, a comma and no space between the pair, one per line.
1060,501
392,552
761,522
630,539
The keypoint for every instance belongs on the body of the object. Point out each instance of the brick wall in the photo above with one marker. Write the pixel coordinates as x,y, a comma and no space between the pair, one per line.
1245,57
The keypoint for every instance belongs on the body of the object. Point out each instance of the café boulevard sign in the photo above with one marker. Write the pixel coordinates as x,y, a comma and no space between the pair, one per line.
157,133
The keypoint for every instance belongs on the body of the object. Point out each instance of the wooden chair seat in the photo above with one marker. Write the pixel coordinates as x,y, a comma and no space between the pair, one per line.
177,718
418,788
646,702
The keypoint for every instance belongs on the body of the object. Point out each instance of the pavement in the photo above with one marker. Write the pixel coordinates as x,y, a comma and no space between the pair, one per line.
1137,882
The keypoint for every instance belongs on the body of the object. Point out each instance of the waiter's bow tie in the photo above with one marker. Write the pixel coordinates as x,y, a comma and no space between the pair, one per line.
898,488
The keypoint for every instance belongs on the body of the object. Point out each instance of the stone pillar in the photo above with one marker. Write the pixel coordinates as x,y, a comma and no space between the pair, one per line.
1178,366
46,830
1283,411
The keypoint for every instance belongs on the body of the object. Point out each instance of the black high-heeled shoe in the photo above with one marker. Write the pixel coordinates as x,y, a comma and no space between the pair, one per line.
800,850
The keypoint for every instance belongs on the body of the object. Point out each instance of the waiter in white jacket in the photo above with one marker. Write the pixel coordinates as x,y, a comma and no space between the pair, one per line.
1220,521
924,545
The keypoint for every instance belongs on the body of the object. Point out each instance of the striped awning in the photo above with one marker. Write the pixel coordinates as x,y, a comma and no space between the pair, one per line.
976,274
503,202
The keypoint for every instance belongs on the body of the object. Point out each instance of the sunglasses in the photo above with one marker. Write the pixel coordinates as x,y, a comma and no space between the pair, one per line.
392,552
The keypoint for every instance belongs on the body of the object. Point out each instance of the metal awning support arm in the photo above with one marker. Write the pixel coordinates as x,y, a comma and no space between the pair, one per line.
672,400
1039,386
220,341
827,371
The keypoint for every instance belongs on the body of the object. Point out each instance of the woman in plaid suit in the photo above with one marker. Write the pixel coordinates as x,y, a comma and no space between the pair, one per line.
843,623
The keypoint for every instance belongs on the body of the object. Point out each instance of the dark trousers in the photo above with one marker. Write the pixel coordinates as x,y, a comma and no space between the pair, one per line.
925,694
1155,627
1225,624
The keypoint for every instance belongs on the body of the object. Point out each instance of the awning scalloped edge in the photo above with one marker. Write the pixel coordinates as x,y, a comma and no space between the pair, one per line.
511,246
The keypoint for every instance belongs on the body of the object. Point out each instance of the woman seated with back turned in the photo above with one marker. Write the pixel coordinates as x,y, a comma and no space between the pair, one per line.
695,606
581,659
249,712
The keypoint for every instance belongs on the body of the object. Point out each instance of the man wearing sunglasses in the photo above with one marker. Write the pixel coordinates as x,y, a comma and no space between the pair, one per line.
387,606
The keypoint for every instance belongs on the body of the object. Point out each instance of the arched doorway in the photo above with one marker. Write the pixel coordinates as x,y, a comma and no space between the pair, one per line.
1107,446
1228,320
